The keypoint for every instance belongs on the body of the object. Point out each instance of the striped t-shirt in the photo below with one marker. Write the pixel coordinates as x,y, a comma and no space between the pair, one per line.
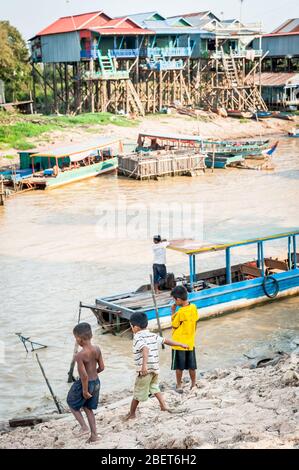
152,342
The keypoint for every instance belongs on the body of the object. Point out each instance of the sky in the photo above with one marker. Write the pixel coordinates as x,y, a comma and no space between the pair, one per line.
31,16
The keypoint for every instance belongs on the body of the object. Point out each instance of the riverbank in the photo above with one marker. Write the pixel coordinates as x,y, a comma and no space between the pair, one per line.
234,408
64,130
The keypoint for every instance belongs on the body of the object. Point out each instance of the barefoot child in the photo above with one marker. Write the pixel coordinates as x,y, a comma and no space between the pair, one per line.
84,393
183,322
146,355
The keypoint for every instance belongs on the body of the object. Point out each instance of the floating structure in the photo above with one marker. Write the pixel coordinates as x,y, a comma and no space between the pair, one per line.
143,63
57,167
214,292
162,154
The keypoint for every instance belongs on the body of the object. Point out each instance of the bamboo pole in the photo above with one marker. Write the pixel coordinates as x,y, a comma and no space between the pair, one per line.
76,348
156,309
49,386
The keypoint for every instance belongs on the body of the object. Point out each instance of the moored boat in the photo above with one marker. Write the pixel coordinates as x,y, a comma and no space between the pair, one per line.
57,167
239,114
214,292
222,160
262,115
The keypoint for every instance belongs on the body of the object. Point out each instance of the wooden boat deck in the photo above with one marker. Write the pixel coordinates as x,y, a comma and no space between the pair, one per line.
141,300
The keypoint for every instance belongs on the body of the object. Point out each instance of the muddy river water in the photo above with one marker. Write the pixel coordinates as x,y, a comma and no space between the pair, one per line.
63,246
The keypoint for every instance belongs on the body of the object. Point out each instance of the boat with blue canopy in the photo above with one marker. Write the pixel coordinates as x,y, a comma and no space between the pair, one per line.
214,292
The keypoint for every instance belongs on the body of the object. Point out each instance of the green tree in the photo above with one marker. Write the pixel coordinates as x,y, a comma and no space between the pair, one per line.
14,62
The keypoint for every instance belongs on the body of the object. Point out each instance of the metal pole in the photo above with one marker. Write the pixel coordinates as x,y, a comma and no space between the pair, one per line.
290,252
228,267
194,269
262,258
258,256
295,252
191,271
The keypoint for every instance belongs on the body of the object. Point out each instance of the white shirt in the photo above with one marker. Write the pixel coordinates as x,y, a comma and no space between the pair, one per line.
159,250
152,342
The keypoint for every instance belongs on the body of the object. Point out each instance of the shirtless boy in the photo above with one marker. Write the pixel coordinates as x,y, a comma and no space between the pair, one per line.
84,393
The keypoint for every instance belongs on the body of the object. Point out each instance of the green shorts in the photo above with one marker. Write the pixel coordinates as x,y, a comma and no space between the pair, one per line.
146,385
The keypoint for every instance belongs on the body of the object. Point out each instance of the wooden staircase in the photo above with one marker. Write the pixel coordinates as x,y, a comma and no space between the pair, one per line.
106,63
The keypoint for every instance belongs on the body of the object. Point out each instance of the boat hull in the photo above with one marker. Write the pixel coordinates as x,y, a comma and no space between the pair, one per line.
80,174
217,300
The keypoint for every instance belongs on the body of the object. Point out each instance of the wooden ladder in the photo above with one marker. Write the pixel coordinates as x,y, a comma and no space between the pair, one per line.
230,70
106,63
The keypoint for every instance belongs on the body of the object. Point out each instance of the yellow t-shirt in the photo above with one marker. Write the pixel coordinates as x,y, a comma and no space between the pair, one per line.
184,326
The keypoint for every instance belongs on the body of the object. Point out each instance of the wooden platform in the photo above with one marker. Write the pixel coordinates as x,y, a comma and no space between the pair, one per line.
161,163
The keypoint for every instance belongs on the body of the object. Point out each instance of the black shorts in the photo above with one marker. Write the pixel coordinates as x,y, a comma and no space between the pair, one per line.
183,360
160,273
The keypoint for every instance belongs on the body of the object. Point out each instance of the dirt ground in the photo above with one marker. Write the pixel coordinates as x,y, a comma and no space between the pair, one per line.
208,125
241,407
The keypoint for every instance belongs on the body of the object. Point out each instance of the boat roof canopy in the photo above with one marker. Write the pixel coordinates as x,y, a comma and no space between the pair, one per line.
193,247
172,137
78,149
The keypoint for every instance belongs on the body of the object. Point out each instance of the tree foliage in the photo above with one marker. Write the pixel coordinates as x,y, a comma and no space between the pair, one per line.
14,62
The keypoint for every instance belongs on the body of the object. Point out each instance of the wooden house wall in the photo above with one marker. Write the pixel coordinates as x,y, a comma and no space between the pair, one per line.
63,47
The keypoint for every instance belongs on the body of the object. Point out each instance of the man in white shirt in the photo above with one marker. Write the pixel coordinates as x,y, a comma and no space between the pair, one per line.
159,265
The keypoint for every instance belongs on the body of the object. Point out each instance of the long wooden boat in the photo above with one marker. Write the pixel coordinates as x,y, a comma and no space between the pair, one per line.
239,114
214,292
262,115
221,160
148,142
61,166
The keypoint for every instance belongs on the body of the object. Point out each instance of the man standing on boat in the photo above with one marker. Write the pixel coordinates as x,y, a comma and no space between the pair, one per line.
159,266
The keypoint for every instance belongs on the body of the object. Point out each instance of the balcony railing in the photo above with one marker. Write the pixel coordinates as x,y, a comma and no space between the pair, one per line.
166,51
89,53
124,53
107,75
165,65
250,54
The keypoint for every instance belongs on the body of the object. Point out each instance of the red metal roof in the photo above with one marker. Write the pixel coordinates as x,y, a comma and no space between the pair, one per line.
280,34
95,21
75,23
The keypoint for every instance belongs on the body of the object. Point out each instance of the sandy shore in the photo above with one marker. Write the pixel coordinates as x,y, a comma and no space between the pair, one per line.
236,408
209,125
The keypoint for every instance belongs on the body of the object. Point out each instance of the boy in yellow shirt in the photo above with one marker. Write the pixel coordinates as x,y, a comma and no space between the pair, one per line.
183,322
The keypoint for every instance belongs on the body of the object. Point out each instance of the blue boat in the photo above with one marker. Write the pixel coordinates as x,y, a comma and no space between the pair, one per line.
222,160
214,292
293,134
262,115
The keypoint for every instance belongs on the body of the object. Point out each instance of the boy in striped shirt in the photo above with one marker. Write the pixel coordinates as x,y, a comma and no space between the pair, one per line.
146,356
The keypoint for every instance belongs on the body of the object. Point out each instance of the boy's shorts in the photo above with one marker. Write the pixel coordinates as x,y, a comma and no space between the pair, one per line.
146,385
76,400
183,360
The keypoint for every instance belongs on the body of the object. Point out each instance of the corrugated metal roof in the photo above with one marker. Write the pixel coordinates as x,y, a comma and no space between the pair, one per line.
278,79
289,26
141,17
75,23
122,26
78,148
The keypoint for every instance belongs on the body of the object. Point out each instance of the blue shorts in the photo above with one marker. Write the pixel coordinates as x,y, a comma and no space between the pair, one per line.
76,400
160,273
